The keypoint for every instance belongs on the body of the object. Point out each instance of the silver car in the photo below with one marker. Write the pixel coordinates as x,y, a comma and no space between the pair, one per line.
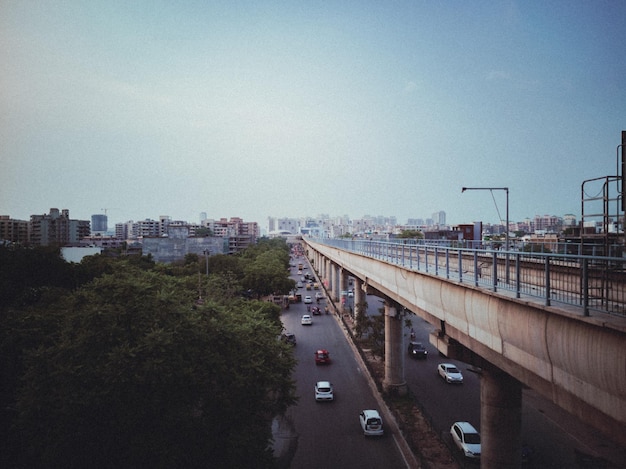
450,373
466,438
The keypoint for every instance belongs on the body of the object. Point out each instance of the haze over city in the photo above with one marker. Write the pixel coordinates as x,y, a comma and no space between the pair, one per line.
290,109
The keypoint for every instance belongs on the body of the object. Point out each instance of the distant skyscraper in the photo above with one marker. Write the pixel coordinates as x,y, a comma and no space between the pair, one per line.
99,223
439,218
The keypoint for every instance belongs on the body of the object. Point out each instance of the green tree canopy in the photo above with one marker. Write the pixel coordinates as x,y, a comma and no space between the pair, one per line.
130,370
411,234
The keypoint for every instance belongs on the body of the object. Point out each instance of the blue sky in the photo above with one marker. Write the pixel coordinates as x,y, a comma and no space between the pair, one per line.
289,109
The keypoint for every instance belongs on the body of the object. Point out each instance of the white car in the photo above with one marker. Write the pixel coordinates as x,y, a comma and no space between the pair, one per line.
308,300
450,373
371,422
306,320
319,295
324,391
467,439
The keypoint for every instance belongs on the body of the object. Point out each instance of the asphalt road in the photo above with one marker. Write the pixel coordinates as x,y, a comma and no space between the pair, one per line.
553,435
327,434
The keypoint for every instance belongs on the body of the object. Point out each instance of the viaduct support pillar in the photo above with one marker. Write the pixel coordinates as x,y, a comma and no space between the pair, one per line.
360,301
500,420
394,382
326,273
334,273
343,287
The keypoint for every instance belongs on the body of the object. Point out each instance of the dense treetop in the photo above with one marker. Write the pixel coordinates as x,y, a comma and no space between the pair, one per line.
124,363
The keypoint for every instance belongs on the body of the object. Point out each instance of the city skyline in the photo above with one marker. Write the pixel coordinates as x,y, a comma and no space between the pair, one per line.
274,109
203,217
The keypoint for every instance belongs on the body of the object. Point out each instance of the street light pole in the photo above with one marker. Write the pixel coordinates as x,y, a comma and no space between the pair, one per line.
206,258
506,232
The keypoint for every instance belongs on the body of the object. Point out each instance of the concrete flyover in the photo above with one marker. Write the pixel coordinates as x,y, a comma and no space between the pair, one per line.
576,361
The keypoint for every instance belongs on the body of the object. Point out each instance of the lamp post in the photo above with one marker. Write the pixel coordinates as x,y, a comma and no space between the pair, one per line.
506,232
206,258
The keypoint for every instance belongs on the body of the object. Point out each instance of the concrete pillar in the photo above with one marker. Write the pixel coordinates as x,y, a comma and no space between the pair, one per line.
360,307
394,382
332,275
500,420
343,286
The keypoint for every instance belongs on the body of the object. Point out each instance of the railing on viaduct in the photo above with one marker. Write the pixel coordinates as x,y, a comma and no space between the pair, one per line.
588,283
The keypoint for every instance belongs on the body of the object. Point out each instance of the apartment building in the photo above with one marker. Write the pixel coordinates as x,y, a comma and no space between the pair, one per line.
56,228
13,231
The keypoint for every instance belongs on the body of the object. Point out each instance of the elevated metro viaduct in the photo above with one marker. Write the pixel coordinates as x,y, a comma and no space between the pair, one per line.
577,362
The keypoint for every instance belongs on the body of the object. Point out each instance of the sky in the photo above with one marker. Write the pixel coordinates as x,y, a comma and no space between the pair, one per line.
298,108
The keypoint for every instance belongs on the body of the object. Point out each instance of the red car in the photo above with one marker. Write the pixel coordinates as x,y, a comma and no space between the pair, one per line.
322,357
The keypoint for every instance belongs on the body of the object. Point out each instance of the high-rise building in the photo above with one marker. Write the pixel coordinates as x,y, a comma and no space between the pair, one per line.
99,223
126,230
56,228
439,218
148,228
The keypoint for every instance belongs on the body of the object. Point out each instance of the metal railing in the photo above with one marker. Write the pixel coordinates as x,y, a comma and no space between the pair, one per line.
591,283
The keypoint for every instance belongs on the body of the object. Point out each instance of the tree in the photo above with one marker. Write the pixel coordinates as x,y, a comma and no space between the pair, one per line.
26,274
134,374
265,275
203,232
265,268
371,331
411,234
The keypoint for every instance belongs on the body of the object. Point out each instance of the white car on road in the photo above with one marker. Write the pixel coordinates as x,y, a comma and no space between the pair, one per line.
371,422
324,391
450,373
466,438
306,320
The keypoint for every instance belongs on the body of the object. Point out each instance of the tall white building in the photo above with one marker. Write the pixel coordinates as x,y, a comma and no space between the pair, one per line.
439,218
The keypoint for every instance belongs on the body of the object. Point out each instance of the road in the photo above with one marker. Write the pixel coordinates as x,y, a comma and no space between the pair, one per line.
552,433
328,434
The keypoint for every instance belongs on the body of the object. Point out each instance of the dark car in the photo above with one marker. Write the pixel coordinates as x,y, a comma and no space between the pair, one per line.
289,337
417,350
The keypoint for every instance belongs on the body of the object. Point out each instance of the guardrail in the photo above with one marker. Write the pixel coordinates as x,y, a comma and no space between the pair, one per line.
591,283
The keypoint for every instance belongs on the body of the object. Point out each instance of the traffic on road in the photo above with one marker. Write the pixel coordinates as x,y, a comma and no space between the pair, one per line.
326,428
